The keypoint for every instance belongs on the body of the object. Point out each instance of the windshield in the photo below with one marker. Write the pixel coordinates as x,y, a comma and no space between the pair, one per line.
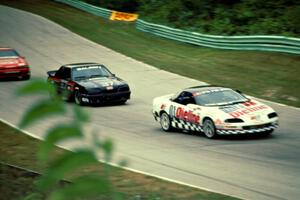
219,97
88,72
8,53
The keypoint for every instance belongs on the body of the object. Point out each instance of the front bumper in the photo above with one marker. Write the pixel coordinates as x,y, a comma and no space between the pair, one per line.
261,128
105,98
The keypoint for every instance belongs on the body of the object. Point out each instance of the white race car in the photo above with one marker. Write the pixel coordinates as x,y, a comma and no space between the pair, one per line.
214,110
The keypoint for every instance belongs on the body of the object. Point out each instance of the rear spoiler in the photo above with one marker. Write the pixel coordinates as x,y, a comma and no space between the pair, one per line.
52,73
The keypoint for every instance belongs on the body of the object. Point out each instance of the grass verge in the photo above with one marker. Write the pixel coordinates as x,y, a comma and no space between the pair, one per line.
272,76
19,149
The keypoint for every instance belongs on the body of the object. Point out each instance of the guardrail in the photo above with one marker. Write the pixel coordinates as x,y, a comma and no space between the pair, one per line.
258,42
102,12
262,43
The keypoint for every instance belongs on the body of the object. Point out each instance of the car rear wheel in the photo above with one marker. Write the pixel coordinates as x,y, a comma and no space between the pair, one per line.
209,128
77,98
165,122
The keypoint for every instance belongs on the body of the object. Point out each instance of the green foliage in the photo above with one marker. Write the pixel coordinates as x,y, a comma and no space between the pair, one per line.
40,110
218,17
226,17
83,186
80,116
58,134
38,86
64,165
90,186
118,5
108,146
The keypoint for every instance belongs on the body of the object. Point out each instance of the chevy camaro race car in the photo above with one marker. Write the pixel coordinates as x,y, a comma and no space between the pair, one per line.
214,110
89,83
13,65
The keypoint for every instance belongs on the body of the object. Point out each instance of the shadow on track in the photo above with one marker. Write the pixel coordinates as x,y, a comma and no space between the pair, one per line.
199,135
11,79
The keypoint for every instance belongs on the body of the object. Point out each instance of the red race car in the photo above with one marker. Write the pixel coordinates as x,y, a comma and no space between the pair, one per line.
13,65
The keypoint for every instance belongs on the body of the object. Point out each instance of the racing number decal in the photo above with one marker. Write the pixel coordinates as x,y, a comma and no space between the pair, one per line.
186,115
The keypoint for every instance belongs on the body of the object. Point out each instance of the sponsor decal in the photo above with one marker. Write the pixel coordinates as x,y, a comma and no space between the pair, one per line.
249,103
122,16
186,115
163,106
239,110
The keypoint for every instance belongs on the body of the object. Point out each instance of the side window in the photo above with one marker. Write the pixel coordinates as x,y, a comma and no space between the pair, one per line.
185,98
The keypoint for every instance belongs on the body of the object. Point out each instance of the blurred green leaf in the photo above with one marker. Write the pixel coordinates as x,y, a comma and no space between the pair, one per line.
65,164
57,134
87,186
80,115
96,140
37,86
107,146
40,110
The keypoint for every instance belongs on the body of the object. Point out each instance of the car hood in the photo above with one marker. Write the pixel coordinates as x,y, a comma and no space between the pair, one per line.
101,82
10,62
251,110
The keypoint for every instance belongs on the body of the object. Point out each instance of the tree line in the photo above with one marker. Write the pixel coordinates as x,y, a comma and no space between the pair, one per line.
219,17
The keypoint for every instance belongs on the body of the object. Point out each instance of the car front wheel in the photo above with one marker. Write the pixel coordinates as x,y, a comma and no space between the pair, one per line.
267,133
209,128
77,98
165,122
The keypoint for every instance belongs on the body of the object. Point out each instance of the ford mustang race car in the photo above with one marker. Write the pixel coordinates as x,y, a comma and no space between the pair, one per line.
88,83
214,110
13,65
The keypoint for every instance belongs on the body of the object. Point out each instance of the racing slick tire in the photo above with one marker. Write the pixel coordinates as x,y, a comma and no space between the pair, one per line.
77,98
209,128
121,102
267,133
165,122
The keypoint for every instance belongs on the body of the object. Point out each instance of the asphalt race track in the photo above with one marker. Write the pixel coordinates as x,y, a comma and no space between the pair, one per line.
247,167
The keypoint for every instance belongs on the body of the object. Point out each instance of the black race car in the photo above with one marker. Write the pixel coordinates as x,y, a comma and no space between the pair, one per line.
89,83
